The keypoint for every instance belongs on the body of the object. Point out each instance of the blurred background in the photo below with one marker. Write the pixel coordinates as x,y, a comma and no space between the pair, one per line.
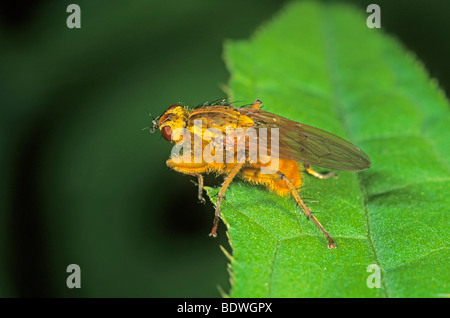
82,183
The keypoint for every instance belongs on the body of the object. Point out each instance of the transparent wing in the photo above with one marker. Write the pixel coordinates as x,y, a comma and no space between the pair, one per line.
308,144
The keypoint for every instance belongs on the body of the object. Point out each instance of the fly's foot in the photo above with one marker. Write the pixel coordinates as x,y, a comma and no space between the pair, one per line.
201,199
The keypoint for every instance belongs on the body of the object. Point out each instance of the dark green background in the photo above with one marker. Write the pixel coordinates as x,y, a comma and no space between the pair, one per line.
82,183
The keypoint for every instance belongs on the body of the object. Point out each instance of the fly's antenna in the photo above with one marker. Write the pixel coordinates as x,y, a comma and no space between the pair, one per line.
154,122
155,125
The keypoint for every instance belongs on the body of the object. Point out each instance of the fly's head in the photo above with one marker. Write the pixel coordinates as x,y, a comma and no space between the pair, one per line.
174,117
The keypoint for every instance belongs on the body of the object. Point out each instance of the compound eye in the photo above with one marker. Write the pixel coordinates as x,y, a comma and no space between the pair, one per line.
166,132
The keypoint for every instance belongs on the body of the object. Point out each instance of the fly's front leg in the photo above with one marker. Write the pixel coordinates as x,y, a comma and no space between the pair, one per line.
200,188
221,195
192,169
316,174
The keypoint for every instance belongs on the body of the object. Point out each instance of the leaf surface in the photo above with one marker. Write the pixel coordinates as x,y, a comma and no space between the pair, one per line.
321,65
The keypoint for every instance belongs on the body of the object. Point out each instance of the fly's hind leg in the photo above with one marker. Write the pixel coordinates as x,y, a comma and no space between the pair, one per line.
319,175
221,195
307,211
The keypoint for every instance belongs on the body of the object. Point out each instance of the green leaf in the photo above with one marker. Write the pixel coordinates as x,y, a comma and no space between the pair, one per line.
321,65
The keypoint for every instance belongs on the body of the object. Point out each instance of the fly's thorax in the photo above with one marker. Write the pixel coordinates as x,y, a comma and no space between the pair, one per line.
212,120
175,117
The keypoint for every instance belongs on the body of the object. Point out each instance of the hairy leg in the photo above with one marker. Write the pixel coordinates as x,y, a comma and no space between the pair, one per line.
221,195
307,211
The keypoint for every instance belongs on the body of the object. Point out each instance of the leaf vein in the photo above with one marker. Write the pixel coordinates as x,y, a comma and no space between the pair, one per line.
336,101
